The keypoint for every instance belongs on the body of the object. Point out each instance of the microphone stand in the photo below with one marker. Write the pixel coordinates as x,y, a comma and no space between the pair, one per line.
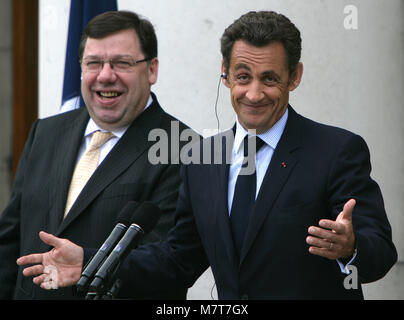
109,294
113,291
102,293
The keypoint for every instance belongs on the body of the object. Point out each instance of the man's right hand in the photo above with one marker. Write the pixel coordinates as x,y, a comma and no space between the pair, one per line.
59,267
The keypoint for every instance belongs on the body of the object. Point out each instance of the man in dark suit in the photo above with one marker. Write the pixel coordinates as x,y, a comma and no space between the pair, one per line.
118,55
310,214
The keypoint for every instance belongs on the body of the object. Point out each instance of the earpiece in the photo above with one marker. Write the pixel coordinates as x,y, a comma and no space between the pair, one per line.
224,75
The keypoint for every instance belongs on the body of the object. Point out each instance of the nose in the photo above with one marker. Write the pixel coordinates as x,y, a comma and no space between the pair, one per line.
106,74
255,92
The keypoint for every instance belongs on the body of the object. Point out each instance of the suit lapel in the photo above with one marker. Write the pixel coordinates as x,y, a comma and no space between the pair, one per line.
65,156
282,164
129,148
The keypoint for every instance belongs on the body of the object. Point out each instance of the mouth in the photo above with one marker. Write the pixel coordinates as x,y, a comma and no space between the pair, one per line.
108,94
256,107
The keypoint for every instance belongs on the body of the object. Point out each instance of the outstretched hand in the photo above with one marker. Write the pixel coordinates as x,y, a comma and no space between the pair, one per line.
59,267
334,239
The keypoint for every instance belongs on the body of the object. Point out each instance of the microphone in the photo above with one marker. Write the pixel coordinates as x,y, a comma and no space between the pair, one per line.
124,220
145,218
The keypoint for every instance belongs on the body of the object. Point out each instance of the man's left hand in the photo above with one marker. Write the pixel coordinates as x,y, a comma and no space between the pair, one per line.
334,239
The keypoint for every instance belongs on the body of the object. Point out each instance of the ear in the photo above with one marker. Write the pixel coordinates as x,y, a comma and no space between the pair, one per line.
225,80
296,77
153,68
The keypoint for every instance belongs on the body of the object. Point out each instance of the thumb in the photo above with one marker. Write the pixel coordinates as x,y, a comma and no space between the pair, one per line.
346,213
50,239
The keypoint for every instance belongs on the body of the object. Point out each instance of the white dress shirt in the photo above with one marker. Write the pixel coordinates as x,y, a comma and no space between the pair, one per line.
263,158
110,144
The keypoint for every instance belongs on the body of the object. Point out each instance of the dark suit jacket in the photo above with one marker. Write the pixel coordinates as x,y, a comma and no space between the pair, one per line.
41,186
314,170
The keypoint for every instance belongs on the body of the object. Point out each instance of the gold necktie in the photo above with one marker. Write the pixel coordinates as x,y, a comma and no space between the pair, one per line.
86,166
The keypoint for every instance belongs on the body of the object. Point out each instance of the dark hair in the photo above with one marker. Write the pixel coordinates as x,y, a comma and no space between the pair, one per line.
260,29
114,21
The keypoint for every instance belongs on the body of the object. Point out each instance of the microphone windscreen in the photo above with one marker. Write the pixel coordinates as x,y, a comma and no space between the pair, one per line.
146,216
126,214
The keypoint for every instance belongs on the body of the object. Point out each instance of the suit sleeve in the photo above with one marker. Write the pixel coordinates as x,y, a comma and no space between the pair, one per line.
10,227
350,178
165,195
175,263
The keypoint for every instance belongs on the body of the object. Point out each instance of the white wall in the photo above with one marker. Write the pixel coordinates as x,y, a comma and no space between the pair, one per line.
352,78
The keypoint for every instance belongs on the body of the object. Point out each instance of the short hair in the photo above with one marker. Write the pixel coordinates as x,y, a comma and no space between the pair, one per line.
114,21
260,29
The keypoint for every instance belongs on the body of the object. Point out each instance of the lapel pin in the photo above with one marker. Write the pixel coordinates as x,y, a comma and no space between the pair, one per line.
284,164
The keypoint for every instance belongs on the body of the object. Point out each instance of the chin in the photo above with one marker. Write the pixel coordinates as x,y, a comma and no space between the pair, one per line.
109,115
107,121
252,123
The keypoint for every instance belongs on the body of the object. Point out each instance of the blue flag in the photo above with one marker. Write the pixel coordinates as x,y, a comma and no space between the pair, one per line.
81,12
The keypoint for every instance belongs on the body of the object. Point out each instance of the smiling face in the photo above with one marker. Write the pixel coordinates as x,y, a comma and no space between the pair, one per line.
114,99
259,82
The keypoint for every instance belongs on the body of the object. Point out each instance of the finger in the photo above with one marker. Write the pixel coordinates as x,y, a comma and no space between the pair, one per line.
346,213
50,239
335,226
40,279
46,281
320,243
49,285
323,233
34,270
30,259
322,252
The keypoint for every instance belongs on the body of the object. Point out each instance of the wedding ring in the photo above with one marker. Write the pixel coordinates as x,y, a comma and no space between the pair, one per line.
331,244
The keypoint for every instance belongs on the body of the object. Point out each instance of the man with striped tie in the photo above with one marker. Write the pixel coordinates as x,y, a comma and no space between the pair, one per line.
80,168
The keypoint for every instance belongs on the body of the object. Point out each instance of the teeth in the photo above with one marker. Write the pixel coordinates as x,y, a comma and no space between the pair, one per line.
109,94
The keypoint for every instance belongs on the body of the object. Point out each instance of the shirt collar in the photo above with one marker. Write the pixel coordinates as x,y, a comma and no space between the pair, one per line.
271,137
92,126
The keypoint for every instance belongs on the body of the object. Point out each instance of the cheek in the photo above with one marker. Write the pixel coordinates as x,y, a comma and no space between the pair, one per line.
86,83
237,92
281,92
133,85
274,93
85,92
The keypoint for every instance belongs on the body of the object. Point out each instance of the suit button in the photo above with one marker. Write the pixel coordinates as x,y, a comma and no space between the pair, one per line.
244,296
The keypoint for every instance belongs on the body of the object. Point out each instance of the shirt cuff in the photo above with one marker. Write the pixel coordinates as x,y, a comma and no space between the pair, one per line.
343,267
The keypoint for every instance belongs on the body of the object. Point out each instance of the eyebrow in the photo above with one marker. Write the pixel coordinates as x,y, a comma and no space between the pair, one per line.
270,73
265,73
119,56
